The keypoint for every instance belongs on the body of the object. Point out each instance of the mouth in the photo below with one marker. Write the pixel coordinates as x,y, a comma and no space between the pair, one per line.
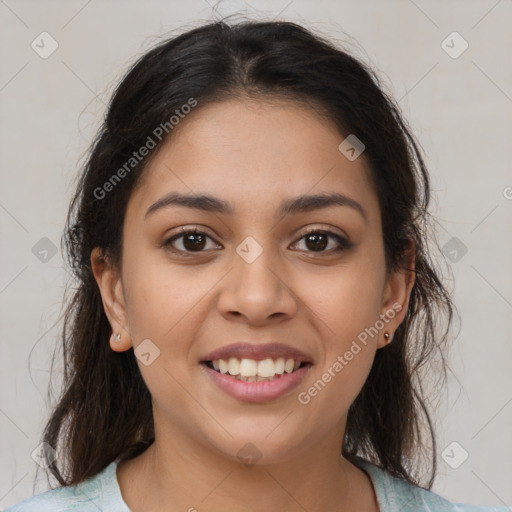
252,370
256,372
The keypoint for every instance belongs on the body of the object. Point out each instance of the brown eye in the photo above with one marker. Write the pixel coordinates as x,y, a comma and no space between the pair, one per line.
318,241
190,241
194,241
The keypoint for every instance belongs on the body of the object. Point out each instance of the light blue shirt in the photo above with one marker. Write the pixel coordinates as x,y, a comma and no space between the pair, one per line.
102,492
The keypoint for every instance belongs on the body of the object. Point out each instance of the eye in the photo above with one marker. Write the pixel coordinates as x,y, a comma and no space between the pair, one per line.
318,240
193,240
190,240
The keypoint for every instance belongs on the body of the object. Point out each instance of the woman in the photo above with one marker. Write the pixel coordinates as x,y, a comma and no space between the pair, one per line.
255,291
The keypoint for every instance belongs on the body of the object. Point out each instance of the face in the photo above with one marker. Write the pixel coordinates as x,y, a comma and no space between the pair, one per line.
253,274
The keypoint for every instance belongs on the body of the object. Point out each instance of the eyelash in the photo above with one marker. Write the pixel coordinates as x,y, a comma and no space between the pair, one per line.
344,244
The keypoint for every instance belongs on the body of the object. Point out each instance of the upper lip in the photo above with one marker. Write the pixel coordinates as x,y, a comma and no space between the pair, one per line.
260,351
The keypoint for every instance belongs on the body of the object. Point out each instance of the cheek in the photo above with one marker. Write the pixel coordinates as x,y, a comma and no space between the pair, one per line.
160,296
163,303
346,310
346,303
348,298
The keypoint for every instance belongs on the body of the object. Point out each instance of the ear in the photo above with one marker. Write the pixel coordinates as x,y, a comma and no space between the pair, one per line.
111,289
397,293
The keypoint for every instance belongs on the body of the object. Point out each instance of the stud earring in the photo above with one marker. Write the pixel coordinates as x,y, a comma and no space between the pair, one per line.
387,337
117,338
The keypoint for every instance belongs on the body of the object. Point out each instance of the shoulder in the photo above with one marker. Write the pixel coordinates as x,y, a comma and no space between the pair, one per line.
55,500
100,492
395,494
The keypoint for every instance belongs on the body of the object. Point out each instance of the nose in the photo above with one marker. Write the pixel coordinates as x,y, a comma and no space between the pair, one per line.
257,292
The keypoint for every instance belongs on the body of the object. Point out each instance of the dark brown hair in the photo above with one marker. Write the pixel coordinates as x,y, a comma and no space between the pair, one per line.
104,411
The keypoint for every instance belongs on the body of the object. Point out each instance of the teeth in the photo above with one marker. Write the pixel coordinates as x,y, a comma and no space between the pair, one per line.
266,368
254,379
251,370
248,368
233,366
223,366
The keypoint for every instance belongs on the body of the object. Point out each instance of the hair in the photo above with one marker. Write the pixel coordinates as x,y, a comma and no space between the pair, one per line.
104,410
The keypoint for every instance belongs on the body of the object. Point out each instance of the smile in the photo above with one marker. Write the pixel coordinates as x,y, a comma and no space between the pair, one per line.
251,370
268,386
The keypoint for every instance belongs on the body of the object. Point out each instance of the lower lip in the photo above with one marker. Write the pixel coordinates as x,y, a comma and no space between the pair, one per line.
264,391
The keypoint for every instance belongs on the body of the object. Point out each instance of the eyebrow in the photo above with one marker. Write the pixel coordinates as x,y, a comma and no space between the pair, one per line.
295,205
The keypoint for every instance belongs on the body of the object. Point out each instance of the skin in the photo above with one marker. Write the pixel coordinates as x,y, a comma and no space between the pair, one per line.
254,154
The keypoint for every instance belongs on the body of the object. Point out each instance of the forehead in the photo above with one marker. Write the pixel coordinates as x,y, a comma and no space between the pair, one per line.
254,153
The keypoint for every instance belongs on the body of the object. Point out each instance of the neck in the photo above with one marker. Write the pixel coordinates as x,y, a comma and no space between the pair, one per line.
175,473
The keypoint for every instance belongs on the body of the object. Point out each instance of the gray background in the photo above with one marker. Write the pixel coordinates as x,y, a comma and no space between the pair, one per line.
459,109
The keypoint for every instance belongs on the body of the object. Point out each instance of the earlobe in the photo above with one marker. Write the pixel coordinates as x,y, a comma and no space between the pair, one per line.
396,297
115,343
111,289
